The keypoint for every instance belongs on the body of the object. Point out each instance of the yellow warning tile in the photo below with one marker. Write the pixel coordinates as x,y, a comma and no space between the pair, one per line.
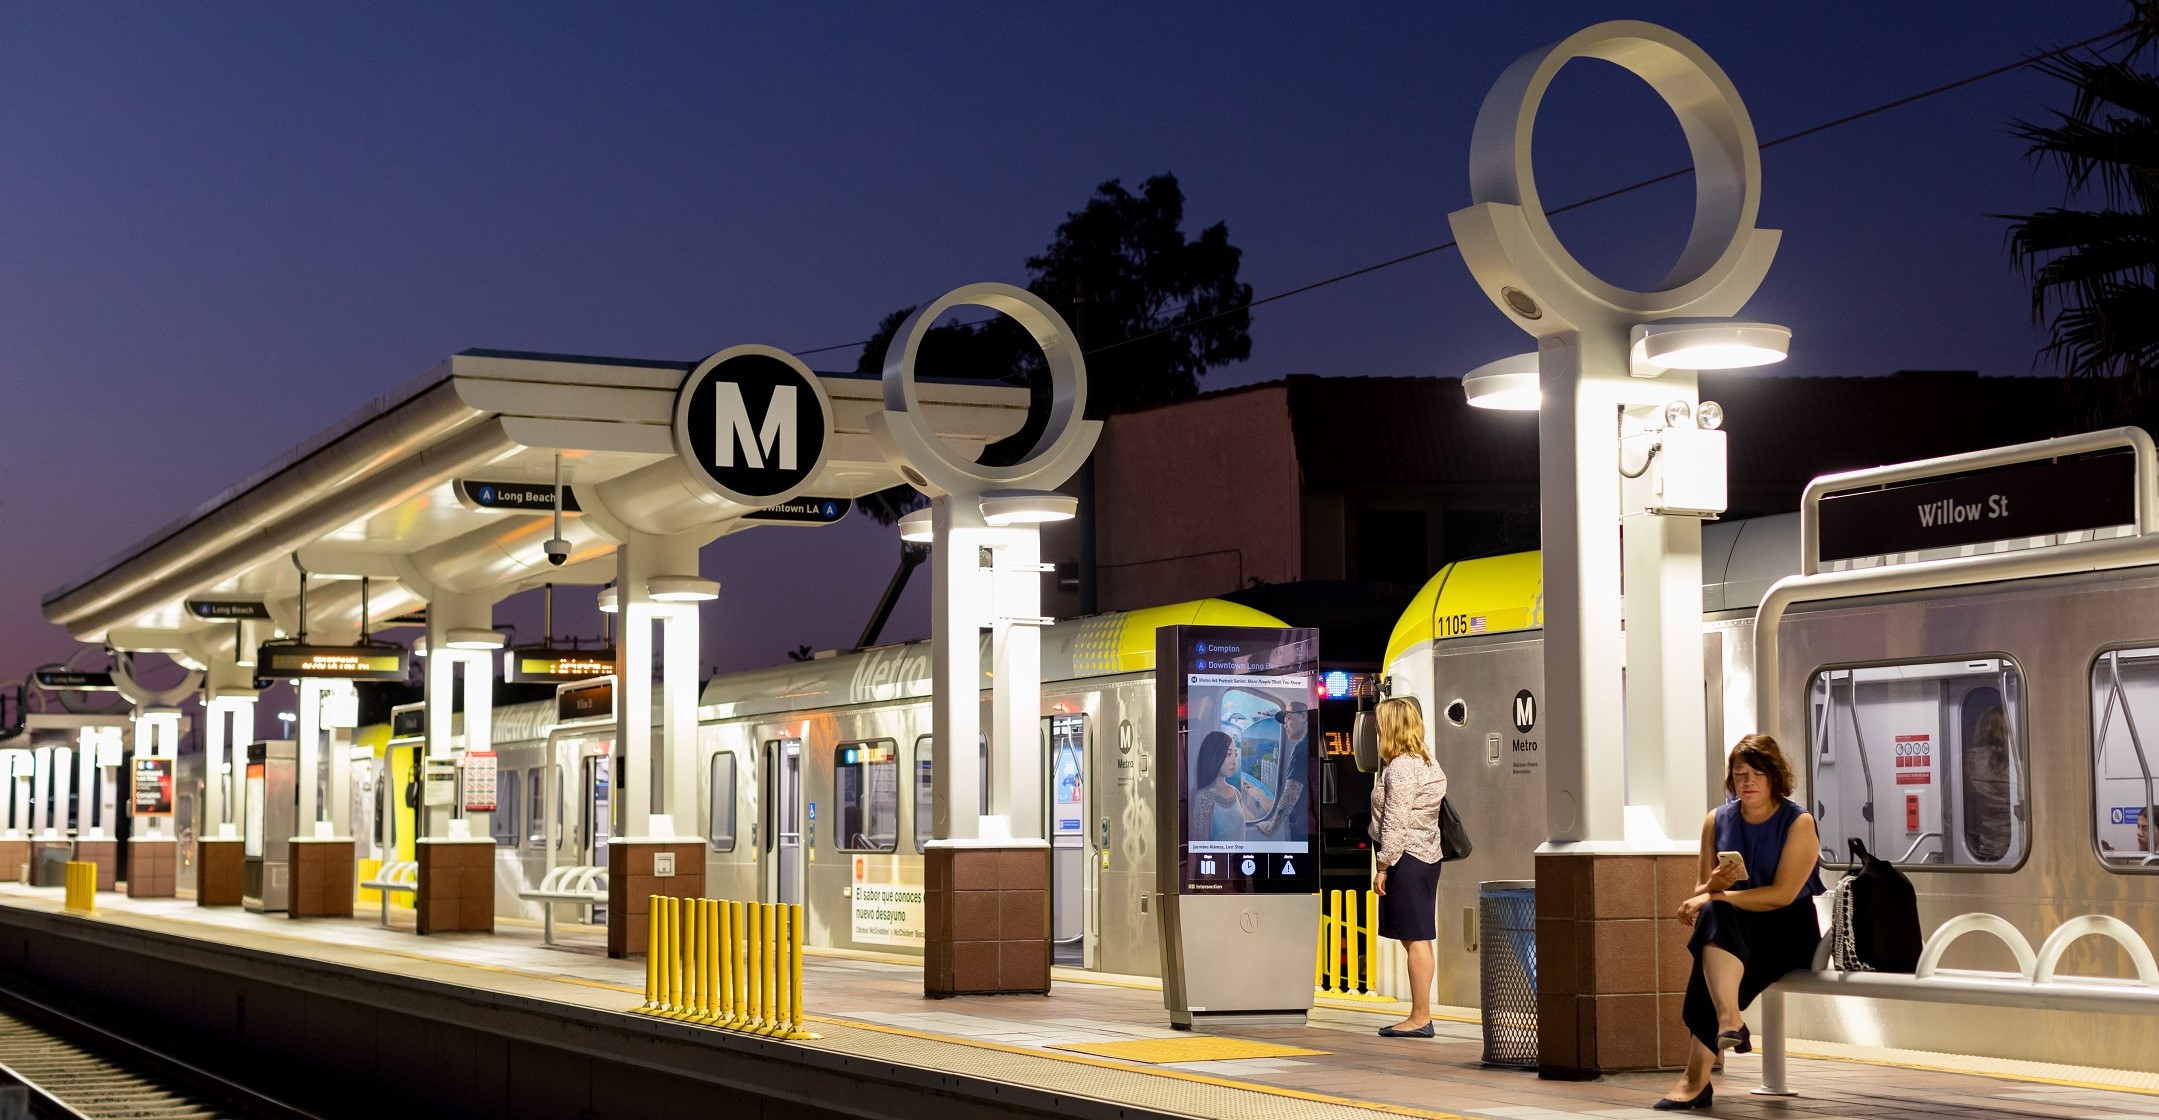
1198,1048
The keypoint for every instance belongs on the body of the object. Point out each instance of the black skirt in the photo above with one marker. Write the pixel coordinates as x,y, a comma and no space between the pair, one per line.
1768,943
1409,911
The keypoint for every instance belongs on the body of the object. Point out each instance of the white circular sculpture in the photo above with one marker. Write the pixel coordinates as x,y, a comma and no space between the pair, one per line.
1508,240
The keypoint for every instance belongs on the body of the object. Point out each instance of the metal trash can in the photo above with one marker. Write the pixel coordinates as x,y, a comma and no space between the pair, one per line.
48,865
1507,962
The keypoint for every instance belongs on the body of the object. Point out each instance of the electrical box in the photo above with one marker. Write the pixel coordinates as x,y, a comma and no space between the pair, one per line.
1686,478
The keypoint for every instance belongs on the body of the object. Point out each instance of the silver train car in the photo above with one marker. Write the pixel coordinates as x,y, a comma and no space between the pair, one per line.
816,775
1990,739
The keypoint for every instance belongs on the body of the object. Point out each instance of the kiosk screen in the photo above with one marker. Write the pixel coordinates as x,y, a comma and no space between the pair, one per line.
1243,734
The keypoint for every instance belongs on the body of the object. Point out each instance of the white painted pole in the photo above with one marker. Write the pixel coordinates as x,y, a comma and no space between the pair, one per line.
957,591
1016,670
678,716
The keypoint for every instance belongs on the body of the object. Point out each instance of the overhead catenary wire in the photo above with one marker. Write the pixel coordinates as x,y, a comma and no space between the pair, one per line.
1811,130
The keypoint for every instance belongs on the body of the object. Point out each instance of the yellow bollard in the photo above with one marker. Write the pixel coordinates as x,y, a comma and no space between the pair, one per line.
1371,943
782,998
1353,935
794,1029
737,921
667,951
754,1016
652,955
708,1002
771,1009
683,934
79,888
1334,952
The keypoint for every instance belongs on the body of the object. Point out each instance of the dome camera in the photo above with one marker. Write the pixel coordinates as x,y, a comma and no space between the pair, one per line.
558,551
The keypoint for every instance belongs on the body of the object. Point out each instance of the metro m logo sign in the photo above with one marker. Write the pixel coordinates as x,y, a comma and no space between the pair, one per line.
752,425
732,429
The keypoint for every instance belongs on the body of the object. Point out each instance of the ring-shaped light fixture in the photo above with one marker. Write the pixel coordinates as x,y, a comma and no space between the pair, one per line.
1027,507
1714,273
473,637
681,589
1509,384
1707,344
1065,440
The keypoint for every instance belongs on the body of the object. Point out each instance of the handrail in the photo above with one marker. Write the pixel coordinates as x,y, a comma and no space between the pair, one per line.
1930,958
2135,439
2096,925
1921,839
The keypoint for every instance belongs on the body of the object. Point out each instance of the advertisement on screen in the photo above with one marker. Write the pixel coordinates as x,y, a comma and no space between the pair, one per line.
152,787
1245,718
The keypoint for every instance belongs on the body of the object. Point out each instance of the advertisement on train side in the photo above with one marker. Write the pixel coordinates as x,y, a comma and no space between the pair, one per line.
1241,734
886,902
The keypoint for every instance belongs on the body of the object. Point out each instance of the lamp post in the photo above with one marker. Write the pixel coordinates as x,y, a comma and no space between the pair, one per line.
1620,444
983,526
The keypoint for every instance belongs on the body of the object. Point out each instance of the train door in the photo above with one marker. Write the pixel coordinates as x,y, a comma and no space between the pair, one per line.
1065,747
783,808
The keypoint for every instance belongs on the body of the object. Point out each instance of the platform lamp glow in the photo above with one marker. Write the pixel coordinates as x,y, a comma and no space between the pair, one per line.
984,528
1614,364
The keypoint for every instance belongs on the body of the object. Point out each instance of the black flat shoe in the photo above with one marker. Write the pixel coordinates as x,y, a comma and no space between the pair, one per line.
1738,1042
1703,1099
1424,1031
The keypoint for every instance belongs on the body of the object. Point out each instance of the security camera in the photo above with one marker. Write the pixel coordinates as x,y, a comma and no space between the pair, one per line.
558,551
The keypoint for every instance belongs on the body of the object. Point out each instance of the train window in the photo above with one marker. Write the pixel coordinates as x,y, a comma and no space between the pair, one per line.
2125,765
502,823
866,796
721,828
1925,763
924,768
535,808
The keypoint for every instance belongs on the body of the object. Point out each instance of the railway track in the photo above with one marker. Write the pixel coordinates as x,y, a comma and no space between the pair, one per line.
54,1066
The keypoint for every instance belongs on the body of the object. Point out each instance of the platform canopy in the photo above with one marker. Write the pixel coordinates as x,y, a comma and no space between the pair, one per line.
410,492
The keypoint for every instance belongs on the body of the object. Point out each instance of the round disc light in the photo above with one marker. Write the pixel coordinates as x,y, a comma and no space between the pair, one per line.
473,638
1509,383
609,604
1711,344
681,589
1027,507
1678,414
1709,415
915,527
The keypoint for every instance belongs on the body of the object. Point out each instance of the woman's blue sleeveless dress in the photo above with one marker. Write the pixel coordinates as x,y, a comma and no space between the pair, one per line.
1769,943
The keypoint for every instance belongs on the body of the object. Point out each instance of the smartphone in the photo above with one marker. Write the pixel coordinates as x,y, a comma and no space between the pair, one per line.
1733,859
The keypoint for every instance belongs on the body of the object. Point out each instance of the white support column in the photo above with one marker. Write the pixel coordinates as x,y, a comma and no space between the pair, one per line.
446,612
957,594
86,758
309,754
1667,740
1583,375
1016,657
157,735
21,764
221,790
41,782
678,715
337,755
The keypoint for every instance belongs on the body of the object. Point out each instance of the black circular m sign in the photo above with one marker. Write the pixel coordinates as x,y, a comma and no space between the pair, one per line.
753,424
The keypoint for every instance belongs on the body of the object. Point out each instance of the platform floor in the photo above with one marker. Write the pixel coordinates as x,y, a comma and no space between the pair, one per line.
874,1007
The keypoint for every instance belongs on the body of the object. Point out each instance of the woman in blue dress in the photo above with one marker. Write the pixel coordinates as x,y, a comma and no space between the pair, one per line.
1753,916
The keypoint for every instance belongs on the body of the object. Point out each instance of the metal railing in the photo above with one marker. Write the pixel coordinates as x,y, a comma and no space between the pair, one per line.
732,965
1348,965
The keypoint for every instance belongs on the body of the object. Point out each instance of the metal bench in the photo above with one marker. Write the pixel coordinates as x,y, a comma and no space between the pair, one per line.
582,886
2034,984
401,875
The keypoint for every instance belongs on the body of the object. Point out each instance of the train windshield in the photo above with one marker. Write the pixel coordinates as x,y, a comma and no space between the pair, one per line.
1924,763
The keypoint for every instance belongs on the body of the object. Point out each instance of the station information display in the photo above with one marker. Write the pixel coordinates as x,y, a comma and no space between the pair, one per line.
152,787
546,664
350,663
1240,732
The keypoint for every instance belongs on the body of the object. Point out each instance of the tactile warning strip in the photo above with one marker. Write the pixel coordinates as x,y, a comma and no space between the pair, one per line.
1200,1048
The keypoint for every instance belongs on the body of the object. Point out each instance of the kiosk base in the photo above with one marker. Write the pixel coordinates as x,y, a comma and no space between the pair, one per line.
14,860
104,853
322,879
987,908
457,884
1200,1022
634,869
152,863
218,869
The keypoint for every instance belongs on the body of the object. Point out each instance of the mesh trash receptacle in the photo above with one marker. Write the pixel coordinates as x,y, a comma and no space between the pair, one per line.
1507,962
48,865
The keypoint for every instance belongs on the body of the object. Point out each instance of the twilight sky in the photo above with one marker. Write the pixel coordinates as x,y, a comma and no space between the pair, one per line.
223,227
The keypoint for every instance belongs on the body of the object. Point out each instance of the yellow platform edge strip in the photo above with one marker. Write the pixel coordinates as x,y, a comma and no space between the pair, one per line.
1202,1048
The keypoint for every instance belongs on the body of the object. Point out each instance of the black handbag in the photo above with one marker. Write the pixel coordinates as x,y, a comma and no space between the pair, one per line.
1453,837
1877,918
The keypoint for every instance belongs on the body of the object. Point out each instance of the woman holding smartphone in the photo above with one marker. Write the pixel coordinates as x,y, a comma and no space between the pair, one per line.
1752,912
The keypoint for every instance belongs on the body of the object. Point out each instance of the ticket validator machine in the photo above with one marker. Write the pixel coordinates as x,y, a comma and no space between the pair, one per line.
272,793
1236,819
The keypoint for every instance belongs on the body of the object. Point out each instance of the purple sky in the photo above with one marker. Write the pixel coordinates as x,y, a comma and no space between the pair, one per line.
223,227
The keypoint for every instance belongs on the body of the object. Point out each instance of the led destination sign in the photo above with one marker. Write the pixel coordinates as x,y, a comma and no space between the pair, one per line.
349,663
545,664
2030,500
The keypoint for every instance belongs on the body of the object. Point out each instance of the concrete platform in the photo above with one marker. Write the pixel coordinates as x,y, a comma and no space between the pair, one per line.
888,1051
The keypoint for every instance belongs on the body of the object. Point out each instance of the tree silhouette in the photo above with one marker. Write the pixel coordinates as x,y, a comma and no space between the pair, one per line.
1134,288
2093,263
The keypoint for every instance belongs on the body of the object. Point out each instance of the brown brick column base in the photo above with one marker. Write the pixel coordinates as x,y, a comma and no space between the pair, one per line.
219,864
633,867
151,866
14,857
457,884
104,853
987,909
322,878
1612,962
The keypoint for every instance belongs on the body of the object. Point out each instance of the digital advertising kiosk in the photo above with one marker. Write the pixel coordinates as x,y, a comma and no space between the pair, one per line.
1236,820
271,816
